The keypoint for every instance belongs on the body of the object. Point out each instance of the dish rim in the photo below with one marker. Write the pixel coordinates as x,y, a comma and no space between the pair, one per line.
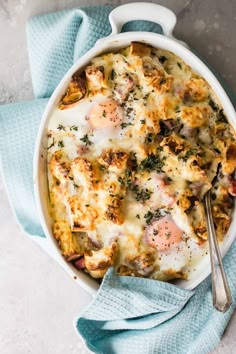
109,44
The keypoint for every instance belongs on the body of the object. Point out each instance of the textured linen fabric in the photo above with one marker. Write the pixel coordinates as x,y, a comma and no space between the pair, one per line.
128,315
161,318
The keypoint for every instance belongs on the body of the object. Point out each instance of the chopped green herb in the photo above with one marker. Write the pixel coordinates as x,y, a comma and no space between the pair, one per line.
141,194
61,127
143,121
146,96
148,216
75,185
86,140
124,125
121,180
151,163
188,154
213,105
129,110
128,173
74,127
61,144
137,216
104,113
102,168
221,117
128,180
179,65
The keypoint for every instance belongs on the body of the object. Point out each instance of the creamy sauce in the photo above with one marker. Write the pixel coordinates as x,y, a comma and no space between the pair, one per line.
141,144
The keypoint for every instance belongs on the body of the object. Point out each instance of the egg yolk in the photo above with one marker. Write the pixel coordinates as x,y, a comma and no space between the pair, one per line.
163,233
106,114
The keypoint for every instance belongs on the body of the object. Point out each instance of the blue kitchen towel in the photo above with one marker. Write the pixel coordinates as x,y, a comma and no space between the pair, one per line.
128,315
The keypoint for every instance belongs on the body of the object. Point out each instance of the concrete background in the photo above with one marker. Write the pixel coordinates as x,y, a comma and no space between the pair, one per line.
38,301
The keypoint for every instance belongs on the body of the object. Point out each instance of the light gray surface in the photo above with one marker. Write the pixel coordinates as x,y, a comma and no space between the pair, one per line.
38,301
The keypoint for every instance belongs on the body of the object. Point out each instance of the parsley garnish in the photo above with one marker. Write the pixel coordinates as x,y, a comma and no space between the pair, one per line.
143,121
126,180
74,127
179,65
129,110
86,140
121,181
213,105
221,117
148,216
124,125
140,194
61,127
104,113
61,144
146,96
189,153
151,163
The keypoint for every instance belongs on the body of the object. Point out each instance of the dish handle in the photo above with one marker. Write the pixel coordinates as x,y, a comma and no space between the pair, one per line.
142,11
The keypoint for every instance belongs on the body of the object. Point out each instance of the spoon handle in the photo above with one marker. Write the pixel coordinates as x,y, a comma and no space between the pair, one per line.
220,288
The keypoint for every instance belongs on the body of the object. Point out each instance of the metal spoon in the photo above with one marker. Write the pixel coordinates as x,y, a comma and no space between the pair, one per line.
220,289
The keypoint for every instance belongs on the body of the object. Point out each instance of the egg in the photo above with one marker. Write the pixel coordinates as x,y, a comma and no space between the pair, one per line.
106,114
163,233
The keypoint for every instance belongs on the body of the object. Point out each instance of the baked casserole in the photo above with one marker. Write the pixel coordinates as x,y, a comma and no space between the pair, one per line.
136,141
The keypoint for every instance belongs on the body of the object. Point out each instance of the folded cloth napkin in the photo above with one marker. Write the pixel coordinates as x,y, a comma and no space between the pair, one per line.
128,315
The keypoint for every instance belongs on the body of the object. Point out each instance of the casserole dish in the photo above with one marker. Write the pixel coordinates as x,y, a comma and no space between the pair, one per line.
114,42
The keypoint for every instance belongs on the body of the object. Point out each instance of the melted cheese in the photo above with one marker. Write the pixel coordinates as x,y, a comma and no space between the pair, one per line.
137,144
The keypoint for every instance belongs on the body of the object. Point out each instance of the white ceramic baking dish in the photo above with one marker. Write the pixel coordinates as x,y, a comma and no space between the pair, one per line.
118,17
